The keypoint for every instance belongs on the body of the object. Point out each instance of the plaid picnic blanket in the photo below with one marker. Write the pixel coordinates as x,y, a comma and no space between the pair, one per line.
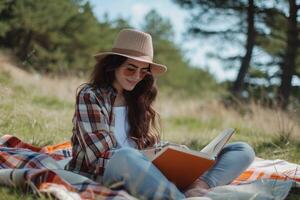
40,170
270,169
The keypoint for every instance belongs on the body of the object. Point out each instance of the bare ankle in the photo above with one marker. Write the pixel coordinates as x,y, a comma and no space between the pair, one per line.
202,184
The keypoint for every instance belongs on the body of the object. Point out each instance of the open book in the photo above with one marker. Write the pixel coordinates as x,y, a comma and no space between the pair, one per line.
183,166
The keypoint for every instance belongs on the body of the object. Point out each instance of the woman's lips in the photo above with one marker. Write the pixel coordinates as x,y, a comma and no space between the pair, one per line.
132,82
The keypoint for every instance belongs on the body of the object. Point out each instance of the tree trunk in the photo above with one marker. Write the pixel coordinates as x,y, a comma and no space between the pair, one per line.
25,44
245,63
289,60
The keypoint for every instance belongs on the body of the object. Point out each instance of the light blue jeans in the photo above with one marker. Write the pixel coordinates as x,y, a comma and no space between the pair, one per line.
136,174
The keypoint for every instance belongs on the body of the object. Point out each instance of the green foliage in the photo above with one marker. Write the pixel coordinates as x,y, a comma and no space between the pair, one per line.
227,24
61,36
283,31
181,76
160,28
54,36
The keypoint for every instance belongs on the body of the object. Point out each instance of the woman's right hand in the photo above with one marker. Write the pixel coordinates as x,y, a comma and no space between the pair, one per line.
149,153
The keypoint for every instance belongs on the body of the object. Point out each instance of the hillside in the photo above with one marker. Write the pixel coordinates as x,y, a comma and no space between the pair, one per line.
39,110
42,101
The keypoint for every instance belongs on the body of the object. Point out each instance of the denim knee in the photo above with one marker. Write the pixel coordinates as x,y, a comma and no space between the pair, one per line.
127,156
119,164
138,176
127,153
246,152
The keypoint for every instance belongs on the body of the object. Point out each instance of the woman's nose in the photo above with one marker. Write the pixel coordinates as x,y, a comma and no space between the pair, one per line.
137,75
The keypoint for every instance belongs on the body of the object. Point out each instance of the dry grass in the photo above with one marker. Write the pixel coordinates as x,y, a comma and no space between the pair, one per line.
64,88
206,117
254,120
39,109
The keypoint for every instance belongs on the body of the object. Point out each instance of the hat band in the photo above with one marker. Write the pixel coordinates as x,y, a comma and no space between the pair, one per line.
130,52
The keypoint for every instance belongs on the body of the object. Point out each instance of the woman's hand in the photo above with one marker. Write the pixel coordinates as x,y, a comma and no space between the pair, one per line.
197,189
149,153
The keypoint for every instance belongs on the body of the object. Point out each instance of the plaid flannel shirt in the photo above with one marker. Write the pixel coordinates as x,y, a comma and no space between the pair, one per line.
93,138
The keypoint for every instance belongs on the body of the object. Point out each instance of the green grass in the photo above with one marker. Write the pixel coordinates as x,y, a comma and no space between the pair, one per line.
194,124
42,120
278,149
5,77
28,114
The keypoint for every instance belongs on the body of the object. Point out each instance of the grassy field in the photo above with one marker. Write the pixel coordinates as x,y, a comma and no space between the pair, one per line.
39,110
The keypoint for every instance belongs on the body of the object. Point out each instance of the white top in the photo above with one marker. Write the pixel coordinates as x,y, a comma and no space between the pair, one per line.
122,127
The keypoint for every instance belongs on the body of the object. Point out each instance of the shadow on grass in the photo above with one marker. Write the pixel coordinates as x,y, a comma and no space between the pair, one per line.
294,194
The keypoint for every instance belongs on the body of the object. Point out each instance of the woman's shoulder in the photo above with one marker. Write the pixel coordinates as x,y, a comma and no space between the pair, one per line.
86,88
93,91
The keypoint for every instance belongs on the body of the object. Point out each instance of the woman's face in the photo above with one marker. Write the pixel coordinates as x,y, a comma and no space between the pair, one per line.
130,73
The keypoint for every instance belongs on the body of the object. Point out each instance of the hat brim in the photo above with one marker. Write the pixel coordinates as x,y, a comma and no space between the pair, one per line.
155,68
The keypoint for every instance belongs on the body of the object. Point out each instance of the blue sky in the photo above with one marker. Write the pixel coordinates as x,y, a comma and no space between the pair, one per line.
134,11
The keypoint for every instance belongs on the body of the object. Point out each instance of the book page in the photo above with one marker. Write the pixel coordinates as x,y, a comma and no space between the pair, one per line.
216,145
183,150
152,152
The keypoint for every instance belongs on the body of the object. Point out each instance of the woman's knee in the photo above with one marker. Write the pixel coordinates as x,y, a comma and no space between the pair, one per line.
121,163
126,154
245,151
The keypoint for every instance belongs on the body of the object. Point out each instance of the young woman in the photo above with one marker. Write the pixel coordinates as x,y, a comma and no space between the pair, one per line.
114,121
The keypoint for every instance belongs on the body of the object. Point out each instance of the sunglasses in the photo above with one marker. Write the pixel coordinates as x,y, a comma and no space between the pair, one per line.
130,70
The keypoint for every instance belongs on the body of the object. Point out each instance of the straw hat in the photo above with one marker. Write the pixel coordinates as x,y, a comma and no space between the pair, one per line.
136,45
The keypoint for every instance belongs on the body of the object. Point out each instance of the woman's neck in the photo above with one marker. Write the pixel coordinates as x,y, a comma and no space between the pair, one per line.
120,100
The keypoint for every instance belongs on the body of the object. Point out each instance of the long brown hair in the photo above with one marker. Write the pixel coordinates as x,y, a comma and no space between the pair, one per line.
142,118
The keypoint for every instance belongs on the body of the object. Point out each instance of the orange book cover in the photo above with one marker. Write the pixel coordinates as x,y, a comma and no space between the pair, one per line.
180,167
183,166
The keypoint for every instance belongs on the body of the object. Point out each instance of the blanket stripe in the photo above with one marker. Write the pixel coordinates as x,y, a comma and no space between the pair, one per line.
270,169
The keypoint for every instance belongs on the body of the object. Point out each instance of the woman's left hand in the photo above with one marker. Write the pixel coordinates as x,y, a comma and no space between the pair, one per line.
149,153
197,189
